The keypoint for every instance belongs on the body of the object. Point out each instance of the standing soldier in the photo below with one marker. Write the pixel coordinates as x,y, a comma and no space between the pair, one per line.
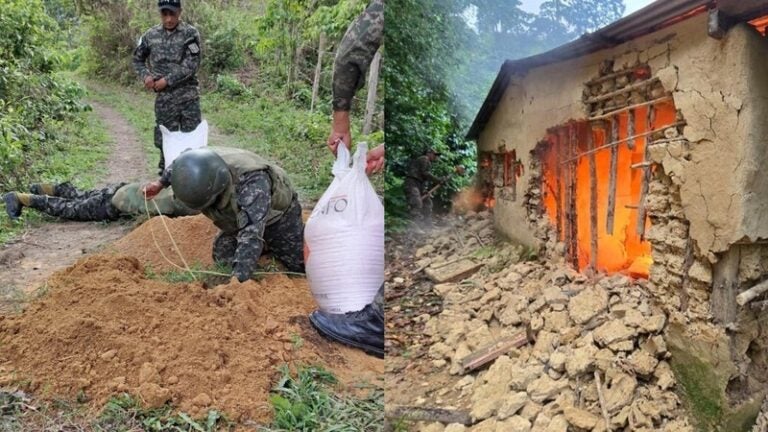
173,51
419,173
363,329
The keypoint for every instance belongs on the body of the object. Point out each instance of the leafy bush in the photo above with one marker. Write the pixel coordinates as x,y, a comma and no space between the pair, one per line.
34,101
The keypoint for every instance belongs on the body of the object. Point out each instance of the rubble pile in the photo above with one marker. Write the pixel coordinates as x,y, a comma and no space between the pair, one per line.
595,359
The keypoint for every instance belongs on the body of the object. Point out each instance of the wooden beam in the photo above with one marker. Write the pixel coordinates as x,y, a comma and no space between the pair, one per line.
558,149
495,350
752,293
612,174
646,174
574,227
592,202
629,108
631,128
623,90
617,142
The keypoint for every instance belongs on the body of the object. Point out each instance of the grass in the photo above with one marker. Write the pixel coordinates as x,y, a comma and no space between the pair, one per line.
703,397
80,159
290,136
125,413
303,401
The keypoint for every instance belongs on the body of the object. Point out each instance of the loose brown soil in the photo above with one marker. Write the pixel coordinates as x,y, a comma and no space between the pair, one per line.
105,328
27,262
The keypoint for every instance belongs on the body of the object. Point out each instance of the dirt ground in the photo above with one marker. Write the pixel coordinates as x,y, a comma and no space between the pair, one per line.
40,251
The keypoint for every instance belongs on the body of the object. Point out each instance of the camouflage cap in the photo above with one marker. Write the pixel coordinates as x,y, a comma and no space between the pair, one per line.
173,5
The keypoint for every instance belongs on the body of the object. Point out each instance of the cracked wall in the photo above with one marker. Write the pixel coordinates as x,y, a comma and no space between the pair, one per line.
721,88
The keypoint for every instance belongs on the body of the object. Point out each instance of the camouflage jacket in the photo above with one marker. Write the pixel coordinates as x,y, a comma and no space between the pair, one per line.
355,54
173,55
419,170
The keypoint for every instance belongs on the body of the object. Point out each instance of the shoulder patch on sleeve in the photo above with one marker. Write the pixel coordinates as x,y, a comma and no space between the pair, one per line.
194,48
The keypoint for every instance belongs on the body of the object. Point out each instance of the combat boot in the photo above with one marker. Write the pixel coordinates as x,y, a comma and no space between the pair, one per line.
43,189
14,202
363,329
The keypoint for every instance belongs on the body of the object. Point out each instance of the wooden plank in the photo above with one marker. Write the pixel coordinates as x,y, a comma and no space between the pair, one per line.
631,128
646,179
592,202
613,172
573,247
425,414
628,108
495,350
558,148
627,89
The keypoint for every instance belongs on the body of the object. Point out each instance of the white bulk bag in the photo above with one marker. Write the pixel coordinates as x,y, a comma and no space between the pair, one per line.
176,142
344,238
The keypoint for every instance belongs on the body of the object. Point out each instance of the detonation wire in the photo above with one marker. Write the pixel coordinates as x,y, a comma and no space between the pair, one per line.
178,251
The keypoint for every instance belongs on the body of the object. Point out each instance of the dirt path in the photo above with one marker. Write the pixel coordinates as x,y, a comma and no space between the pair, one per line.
43,250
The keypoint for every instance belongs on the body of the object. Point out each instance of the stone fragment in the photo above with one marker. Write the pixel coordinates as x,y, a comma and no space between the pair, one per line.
622,346
580,418
587,304
613,331
655,323
514,424
488,425
665,379
531,410
512,404
620,392
580,360
455,427
440,351
555,321
642,362
523,376
454,272
433,427
557,361
558,424
545,388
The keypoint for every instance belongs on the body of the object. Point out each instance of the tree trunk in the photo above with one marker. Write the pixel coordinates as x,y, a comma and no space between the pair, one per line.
318,70
373,84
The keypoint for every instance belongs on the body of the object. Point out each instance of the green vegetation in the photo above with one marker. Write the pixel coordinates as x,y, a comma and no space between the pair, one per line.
701,393
125,413
303,402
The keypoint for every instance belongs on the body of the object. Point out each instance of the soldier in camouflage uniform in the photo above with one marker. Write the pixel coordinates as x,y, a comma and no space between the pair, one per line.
167,59
416,186
248,198
106,204
362,329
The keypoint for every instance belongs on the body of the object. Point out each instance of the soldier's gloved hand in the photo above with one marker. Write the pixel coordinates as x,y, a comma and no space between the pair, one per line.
152,189
161,84
149,82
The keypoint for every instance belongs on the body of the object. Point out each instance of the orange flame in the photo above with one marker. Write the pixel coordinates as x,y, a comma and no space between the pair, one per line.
623,250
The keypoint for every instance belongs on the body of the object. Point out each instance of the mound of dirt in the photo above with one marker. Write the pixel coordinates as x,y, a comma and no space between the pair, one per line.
193,235
104,328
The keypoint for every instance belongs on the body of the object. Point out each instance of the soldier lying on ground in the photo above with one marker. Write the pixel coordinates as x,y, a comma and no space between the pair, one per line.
250,199
110,203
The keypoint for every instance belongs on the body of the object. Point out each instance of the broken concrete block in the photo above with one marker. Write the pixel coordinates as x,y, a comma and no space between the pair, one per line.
512,404
514,424
455,427
453,272
580,360
587,304
643,363
620,392
545,388
665,379
558,424
613,331
655,323
580,418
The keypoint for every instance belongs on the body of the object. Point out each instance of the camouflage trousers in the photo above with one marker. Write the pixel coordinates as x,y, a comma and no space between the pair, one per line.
419,208
78,205
284,239
177,110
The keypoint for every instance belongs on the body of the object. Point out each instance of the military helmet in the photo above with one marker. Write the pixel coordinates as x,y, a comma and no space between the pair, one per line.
198,177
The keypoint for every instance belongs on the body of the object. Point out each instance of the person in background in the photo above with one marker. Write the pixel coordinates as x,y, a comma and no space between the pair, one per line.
166,60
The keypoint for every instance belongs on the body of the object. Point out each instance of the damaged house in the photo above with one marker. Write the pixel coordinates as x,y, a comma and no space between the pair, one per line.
642,149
